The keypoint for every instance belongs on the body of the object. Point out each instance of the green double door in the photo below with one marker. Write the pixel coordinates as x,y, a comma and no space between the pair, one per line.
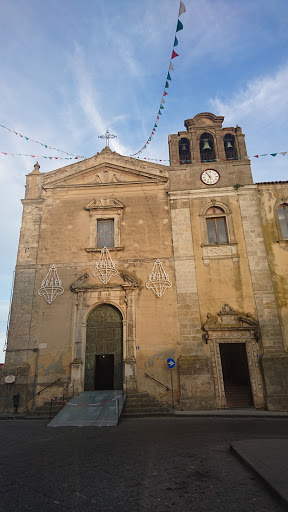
104,349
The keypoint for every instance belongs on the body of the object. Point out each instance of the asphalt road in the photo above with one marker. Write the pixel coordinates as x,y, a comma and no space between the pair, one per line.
155,465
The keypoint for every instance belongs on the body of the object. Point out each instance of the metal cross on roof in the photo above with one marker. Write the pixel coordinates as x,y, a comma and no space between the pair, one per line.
107,136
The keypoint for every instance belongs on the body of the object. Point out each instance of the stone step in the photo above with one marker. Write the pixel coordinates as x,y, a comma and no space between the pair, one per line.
146,409
146,414
142,404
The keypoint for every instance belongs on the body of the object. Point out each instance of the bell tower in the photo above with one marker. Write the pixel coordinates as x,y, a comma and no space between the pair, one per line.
206,154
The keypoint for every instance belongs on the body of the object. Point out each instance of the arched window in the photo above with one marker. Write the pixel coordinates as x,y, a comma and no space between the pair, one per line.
184,151
230,147
216,225
207,147
283,219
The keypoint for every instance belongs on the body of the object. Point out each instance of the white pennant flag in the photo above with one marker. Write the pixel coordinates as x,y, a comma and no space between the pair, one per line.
182,9
171,67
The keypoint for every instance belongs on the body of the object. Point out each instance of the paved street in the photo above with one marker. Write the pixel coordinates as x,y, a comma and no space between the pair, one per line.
155,465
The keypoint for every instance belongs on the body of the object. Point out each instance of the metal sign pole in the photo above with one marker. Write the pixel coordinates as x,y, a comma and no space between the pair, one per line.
172,389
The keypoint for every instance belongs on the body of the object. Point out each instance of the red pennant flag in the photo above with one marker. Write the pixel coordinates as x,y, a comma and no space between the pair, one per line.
256,156
165,93
174,54
157,117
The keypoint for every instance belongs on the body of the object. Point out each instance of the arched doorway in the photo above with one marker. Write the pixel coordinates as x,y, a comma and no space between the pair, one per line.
104,349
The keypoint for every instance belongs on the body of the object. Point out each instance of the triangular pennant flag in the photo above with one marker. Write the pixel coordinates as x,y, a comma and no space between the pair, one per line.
149,138
273,154
161,106
168,76
166,85
182,9
155,126
179,26
175,41
165,93
283,153
163,101
159,113
256,156
171,67
26,137
158,116
174,54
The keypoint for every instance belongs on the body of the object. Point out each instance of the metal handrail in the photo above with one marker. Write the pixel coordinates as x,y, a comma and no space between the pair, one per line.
39,392
158,382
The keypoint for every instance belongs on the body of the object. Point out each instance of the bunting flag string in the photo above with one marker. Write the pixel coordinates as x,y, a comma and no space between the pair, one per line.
179,27
37,142
42,156
283,153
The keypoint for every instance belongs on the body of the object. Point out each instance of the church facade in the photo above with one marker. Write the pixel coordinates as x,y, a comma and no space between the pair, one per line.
124,263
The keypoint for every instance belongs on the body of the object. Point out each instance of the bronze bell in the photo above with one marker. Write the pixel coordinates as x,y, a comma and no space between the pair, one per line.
183,147
206,145
229,144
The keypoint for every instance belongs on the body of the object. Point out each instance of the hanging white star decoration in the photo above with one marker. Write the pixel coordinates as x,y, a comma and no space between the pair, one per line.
105,267
51,286
158,279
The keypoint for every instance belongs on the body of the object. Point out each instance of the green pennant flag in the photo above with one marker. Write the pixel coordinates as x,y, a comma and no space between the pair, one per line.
168,76
179,26
159,113
149,138
155,126
166,85
161,106
175,41
273,154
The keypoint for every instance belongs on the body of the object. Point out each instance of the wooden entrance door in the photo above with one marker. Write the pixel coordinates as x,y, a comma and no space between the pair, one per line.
104,349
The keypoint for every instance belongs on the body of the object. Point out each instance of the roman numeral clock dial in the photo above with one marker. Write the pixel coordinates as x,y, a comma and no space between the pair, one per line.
210,177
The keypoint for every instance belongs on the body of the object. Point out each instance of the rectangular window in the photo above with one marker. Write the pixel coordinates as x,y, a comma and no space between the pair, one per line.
217,232
105,233
283,219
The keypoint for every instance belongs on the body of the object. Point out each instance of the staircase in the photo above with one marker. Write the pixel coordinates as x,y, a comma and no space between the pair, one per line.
238,396
142,404
43,411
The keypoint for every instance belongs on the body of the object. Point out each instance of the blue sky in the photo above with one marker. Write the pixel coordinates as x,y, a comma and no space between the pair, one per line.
70,70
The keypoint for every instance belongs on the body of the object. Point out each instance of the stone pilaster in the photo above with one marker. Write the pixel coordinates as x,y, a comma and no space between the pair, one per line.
275,359
195,373
130,359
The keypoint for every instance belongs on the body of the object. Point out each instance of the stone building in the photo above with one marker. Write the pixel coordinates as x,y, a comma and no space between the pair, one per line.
124,263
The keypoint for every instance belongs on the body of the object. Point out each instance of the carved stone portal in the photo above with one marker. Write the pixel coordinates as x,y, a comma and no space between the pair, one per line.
87,297
229,327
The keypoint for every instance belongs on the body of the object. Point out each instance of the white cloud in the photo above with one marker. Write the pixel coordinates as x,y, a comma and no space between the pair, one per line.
263,98
91,102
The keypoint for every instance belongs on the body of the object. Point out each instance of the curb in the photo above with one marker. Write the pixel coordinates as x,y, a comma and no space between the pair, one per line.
262,474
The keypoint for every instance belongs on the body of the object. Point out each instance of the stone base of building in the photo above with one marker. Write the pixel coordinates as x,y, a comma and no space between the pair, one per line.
21,373
275,370
196,385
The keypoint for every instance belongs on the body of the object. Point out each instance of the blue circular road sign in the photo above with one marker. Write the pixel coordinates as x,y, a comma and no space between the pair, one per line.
171,362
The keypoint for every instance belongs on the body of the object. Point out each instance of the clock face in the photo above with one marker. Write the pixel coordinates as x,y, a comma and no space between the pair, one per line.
210,177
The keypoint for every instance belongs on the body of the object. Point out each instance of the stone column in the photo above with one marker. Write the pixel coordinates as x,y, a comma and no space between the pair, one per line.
195,373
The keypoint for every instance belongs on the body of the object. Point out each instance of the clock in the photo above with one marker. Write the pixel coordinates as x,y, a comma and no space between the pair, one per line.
210,177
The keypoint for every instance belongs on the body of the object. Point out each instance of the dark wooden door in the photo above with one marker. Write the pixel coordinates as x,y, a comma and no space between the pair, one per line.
104,338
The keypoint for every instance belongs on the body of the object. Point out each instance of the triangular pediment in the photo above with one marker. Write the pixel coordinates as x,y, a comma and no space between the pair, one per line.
103,175
104,203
